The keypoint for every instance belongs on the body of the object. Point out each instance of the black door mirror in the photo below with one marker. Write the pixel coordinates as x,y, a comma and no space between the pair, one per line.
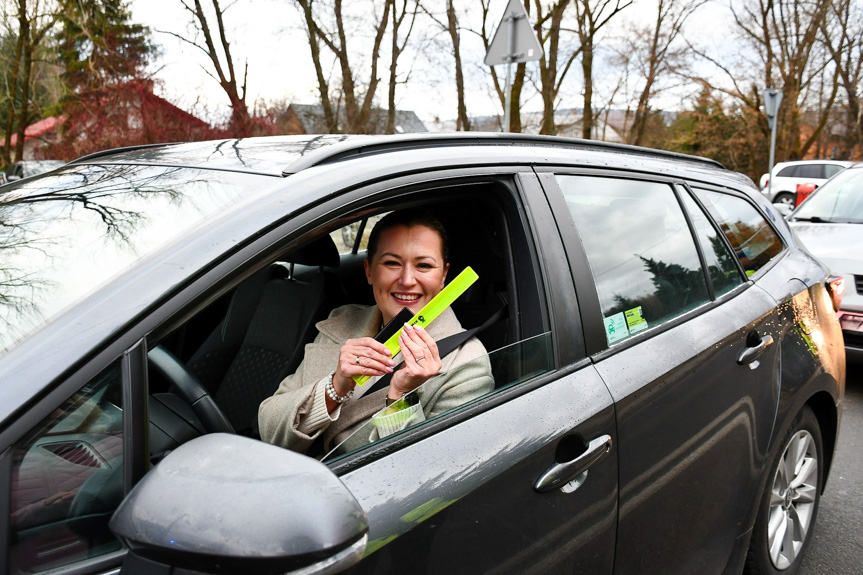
228,504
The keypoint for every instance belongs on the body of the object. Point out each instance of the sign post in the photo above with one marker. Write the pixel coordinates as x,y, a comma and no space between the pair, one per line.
772,101
513,42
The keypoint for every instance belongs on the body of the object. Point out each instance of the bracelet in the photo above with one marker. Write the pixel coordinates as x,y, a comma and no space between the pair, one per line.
331,391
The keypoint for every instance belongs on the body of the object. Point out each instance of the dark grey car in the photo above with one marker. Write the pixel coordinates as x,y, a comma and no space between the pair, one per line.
668,367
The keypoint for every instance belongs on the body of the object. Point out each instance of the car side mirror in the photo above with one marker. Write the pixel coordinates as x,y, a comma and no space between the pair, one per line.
13,178
224,503
783,209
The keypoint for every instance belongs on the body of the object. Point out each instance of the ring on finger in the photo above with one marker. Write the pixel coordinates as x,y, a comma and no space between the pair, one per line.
419,359
358,359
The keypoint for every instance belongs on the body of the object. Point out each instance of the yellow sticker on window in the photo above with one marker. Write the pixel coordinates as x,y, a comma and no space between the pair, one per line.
634,320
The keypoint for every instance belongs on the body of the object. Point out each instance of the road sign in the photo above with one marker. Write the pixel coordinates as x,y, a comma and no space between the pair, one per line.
514,40
772,101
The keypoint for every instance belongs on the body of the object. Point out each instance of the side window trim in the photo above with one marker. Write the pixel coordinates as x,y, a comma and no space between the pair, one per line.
135,422
680,189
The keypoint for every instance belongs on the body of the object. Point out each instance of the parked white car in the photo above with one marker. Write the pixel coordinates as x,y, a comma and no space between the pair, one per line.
786,176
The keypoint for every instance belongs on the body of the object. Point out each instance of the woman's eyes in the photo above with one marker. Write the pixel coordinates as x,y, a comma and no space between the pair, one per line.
424,266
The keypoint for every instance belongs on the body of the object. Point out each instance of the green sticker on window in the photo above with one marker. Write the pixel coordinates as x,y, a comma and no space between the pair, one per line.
615,328
634,320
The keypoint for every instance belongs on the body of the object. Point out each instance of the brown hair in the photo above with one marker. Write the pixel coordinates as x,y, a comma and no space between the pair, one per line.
409,218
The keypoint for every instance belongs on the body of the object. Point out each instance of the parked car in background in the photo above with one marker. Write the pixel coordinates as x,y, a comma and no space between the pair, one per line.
786,176
669,370
830,224
28,168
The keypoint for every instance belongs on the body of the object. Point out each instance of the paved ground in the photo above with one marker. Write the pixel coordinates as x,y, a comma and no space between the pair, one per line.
837,547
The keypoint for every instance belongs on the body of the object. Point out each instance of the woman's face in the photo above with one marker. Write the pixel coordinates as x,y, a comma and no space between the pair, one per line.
408,269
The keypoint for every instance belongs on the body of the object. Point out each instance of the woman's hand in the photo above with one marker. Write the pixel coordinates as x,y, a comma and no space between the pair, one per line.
362,356
421,361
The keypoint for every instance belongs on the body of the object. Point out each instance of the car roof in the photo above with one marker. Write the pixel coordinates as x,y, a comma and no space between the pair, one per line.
286,155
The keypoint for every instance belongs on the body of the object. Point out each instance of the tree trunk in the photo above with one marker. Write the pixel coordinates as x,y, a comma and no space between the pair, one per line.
587,70
23,33
462,121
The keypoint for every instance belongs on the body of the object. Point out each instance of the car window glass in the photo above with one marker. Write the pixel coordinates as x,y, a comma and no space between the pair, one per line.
65,235
508,366
840,200
831,170
787,172
67,480
811,171
346,236
753,240
644,261
724,273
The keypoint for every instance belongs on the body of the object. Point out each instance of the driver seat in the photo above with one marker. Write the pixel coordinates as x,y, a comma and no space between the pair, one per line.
279,324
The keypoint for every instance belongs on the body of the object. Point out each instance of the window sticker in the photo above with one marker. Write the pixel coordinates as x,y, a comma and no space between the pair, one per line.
615,328
634,320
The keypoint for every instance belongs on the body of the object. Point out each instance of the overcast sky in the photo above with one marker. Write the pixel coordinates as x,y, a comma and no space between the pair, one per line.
269,35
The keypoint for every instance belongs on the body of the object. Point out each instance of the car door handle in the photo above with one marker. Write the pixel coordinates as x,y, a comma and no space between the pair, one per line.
751,353
560,474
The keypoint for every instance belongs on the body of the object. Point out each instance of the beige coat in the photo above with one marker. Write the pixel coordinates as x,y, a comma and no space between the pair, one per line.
295,416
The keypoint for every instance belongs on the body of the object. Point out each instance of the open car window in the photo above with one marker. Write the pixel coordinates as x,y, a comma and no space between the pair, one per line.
508,366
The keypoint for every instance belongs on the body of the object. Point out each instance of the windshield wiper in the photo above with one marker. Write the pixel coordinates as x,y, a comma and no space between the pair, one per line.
814,220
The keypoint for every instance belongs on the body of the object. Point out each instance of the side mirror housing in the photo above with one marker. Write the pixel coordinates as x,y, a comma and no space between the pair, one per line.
223,503
783,209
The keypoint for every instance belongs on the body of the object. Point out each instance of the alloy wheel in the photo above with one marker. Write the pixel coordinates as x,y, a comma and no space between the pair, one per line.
792,499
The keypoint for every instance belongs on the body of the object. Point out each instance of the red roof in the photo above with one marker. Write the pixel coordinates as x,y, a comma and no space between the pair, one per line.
43,126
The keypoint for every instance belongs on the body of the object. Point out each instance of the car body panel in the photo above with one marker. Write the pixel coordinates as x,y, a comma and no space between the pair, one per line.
478,477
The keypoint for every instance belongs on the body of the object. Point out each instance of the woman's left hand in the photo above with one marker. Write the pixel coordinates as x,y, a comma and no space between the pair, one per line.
421,361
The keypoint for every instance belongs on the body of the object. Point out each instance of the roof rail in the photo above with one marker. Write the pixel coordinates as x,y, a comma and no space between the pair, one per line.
112,151
362,145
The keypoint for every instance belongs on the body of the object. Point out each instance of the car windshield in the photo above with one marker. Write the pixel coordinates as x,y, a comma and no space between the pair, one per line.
839,201
64,235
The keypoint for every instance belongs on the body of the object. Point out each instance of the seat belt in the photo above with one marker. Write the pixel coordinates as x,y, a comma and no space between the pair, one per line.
447,345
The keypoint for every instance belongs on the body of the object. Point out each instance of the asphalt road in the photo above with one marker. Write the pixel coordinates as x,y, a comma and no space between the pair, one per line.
837,544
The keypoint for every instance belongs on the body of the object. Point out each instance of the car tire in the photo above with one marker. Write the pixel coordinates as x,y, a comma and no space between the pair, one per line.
786,199
790,501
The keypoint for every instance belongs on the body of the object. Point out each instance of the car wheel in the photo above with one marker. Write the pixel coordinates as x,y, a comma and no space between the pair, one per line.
789,504
785,199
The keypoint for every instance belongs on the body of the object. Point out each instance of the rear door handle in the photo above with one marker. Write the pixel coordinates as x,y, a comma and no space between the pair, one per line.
751,353
560,474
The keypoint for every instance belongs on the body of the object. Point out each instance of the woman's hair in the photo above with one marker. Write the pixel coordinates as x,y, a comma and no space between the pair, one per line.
409,218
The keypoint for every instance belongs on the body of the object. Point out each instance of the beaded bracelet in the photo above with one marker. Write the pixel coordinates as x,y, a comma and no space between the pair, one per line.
331,391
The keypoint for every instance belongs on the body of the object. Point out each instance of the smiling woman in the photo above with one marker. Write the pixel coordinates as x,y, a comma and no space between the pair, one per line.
406,265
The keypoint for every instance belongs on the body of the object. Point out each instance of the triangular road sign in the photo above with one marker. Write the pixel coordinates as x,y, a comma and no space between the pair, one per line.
525,46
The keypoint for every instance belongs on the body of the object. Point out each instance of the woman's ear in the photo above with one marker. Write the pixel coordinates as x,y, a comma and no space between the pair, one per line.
367,266
443,279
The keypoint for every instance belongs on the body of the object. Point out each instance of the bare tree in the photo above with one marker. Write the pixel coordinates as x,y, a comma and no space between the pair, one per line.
396,51
591,17
214,40
35,19
843,37
785,36
552,68
357,102
652,50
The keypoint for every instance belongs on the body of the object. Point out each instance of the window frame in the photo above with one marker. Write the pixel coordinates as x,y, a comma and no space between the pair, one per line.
591,314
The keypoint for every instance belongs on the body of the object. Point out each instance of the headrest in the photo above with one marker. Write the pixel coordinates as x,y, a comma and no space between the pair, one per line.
321,252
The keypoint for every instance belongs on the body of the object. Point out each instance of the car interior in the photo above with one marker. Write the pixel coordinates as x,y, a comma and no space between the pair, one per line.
211,373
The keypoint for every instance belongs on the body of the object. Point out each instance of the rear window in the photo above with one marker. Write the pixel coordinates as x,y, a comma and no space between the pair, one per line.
811,171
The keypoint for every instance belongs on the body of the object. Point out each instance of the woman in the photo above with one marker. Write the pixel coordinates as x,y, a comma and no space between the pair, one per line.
406,266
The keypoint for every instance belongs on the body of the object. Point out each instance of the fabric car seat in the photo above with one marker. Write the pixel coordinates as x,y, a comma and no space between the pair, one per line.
276,315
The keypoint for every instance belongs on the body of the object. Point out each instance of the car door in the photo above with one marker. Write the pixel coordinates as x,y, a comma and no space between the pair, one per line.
507,486
689,359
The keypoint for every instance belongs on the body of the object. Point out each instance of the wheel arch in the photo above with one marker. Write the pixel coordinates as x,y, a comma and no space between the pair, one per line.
828,419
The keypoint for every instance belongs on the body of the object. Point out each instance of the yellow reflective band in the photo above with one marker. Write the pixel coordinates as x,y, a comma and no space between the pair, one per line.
430,311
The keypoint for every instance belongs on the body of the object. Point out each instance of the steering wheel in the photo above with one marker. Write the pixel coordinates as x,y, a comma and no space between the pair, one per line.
190,390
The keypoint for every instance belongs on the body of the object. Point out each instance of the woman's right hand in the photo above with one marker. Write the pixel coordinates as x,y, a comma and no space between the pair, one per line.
362,356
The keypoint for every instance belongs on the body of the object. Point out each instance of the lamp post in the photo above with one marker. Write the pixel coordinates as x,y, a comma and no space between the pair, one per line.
772,101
